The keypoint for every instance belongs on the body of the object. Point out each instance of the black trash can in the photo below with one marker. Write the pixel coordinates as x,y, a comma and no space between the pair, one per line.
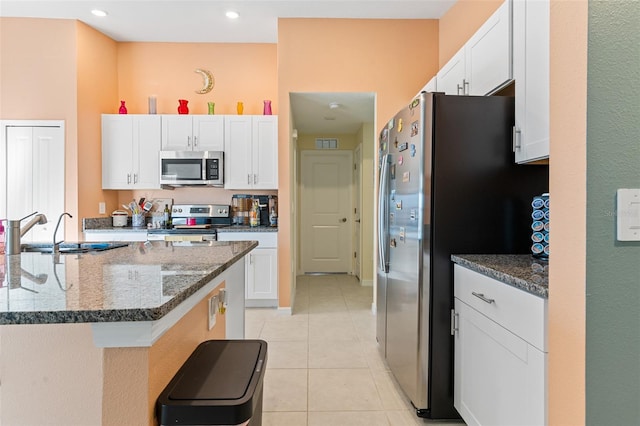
220,384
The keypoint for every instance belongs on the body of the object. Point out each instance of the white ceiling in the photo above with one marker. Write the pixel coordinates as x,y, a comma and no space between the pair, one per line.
312,113
204,21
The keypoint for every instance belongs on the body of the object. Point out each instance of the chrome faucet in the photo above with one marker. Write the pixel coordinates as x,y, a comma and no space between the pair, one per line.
38,219
15,233
56,246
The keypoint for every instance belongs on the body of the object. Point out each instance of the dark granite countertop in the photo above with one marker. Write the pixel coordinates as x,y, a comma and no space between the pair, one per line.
518,270
138,282
106,225
245,228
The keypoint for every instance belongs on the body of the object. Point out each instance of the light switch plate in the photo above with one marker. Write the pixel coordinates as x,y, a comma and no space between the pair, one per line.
628,214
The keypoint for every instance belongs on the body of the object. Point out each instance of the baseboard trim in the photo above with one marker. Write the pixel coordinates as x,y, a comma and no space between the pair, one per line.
374,310
366,283
284,311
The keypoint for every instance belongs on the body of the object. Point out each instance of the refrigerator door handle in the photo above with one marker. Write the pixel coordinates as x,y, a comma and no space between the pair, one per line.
382,214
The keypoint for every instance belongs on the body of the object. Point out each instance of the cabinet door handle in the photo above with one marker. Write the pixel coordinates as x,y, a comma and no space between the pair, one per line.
128,178
483,298
465,87
459,88
188,140
195,141
517,139
255,179
135,178
250,259
454,322
249,179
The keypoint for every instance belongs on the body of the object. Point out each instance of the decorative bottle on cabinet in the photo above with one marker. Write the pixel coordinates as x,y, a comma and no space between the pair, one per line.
267,108
183,108
240,108
123,109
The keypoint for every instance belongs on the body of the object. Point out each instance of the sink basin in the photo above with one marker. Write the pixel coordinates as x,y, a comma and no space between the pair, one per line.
72,248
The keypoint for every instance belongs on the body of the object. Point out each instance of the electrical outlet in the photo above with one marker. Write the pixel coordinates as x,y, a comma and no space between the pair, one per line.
102,207
213,308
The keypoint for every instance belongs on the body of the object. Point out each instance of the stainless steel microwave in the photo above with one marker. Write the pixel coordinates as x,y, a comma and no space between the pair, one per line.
191,168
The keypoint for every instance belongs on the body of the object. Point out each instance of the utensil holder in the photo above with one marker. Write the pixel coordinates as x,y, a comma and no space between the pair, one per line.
137,220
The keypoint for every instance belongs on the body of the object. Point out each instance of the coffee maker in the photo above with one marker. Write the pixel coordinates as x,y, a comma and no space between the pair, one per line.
263,203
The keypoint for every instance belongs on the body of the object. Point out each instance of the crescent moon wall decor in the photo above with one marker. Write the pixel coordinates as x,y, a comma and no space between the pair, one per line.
207,81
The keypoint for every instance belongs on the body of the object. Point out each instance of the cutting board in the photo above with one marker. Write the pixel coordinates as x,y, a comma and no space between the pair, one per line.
203,226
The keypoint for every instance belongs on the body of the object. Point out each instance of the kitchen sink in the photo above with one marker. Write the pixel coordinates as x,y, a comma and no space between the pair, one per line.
72,248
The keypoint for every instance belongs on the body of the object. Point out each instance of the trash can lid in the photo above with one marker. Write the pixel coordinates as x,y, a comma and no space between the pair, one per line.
218,370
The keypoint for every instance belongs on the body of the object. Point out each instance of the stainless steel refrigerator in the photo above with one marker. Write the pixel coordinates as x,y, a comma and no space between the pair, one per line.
448,185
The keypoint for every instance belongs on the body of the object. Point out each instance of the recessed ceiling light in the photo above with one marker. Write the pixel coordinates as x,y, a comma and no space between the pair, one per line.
100,13
334,105
232,15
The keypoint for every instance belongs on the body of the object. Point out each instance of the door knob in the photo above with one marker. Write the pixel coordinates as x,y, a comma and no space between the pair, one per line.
343,220
357,220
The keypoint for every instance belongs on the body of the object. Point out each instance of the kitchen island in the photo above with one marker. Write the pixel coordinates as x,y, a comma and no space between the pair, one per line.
93,338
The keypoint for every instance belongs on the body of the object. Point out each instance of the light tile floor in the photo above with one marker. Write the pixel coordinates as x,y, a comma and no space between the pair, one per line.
323,366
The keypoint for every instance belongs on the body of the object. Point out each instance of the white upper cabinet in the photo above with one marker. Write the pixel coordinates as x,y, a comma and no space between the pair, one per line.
452,78
130,151
251,154
483,64
531,74
192,133
488,53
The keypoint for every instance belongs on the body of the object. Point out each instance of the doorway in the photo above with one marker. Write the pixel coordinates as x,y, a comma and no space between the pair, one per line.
343,121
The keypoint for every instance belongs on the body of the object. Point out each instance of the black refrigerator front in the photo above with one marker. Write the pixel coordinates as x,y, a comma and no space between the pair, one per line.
448,185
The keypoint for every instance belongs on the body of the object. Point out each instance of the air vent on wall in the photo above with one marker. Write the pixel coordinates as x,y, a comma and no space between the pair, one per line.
324,143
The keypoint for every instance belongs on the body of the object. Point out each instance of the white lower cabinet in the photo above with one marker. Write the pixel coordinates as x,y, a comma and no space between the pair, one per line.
261,275
500,365
98,236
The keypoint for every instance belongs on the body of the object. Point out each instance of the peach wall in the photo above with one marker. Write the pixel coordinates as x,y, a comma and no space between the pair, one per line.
568,187
334,55
38,81
97,91
242,72
460,23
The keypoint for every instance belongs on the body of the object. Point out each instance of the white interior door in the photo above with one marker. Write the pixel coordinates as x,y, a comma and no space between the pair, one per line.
35,176
326,225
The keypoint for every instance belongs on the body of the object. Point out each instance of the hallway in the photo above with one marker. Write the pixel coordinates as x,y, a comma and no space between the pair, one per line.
324,368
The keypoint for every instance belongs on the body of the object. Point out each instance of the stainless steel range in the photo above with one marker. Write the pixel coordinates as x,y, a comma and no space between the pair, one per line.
193,222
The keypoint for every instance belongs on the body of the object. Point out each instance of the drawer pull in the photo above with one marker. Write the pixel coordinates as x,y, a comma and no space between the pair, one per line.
481,297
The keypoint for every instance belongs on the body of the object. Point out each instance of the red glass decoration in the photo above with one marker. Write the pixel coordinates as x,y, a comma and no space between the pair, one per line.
183,108
123,109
